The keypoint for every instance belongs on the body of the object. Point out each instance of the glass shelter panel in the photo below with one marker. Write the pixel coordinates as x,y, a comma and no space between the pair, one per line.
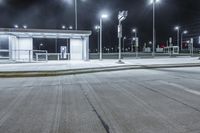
4,47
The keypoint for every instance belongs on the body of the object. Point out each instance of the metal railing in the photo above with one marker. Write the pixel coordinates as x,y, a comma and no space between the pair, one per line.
52,56
4,54
132,55
25,55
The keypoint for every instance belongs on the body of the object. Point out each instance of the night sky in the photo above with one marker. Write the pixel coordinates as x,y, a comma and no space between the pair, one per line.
54,13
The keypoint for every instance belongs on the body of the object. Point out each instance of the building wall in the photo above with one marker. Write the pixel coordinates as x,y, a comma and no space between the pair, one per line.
76,49
86,48
79,49
21,48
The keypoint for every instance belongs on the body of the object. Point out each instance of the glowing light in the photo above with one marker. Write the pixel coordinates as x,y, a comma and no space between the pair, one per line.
176,27
104,16
185,32
25,26
134,30
70,27
63,27
97,27
16,26
156,1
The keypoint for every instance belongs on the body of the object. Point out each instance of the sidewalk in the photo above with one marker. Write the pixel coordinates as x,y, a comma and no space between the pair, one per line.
74,67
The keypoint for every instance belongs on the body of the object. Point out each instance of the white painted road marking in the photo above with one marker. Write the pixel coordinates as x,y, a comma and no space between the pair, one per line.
182,87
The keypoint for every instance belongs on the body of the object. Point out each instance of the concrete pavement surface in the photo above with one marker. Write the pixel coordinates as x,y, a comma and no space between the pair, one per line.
71,65
165,100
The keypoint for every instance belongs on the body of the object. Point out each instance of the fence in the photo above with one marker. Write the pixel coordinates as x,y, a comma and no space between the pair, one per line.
140,55
52,56
4,54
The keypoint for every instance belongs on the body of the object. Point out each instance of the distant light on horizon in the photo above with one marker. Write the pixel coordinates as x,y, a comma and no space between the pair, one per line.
63,27
25,26
134,30
97,27
185,32
70,27
16,26
177,27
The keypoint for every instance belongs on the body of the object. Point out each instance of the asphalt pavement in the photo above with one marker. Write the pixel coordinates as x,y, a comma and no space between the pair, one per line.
162,100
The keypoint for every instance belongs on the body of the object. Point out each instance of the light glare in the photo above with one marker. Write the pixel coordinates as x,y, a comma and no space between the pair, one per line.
25,26
63,27
97,27
104,16
70,27
185,32
177,28
134,30
16,26
154,1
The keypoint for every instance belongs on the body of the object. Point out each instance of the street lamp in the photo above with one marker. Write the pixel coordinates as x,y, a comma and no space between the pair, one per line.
184,32
16,26
177,28
124,43
70,27
153,2
135,32
103,16
76,13
25,26
97,28
41,44
136,42
63,27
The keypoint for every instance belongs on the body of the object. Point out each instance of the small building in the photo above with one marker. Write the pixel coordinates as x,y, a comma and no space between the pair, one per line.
17,44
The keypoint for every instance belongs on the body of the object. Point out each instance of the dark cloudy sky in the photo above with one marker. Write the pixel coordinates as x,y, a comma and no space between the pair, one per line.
54,13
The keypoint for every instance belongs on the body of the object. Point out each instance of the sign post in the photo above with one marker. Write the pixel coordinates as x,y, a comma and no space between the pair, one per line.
121,16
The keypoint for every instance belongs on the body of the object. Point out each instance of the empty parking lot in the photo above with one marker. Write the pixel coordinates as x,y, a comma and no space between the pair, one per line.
135,101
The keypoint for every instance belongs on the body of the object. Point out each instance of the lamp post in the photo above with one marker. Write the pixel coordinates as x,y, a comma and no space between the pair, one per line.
177,28
103,16
136,42
124,43
183,33
153,2
97,28
76,14
135,32
41,44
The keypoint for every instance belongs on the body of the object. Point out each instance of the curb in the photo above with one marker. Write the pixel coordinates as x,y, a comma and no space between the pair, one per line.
89,70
